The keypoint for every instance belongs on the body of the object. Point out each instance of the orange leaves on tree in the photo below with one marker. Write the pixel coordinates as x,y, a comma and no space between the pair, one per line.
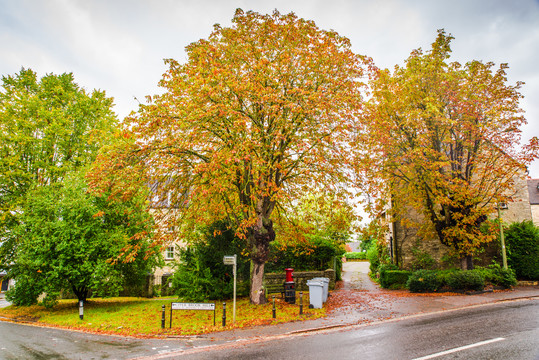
442,142
259,114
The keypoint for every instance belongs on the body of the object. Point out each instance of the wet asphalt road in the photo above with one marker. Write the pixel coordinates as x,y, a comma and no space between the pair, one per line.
503,331
31,342
511,330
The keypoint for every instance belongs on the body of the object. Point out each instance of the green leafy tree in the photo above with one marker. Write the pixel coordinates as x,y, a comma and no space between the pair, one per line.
71,239
48,127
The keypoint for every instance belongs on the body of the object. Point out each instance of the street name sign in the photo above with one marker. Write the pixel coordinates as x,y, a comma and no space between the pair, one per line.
191,306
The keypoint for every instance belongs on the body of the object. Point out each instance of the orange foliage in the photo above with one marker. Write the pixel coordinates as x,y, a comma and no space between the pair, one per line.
442,139
259,114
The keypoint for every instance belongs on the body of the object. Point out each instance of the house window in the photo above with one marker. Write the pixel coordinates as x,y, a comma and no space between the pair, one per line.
503,205
169,253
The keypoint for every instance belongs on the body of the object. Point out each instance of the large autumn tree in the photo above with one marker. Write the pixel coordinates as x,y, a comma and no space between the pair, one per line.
49,126
260,113
443,140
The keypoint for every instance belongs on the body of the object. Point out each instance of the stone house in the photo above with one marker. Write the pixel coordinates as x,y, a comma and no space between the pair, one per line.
409,250
533,193
162,204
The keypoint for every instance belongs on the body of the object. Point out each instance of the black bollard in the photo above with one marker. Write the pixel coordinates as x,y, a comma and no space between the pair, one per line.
163,317
274,311
301,302
224,314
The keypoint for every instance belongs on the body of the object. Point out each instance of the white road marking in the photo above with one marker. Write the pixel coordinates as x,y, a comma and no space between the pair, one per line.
481,343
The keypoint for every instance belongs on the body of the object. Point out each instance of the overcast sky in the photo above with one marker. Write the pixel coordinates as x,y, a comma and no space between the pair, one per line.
119,46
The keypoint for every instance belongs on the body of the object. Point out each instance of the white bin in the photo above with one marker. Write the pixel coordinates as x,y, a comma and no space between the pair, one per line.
316,293
325,282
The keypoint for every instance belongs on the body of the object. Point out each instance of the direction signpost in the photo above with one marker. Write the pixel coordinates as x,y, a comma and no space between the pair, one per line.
232,260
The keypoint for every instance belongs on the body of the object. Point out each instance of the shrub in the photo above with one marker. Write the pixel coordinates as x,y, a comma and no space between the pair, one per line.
505,278
24,293
522,241
498,276
201,274
390,279
466,280
372,256
195,284
443,275
355,256
424,280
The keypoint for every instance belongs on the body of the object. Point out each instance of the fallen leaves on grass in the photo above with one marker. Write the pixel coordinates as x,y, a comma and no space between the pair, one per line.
141,317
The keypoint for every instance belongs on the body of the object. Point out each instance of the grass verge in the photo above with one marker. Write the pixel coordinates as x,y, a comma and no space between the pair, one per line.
141,317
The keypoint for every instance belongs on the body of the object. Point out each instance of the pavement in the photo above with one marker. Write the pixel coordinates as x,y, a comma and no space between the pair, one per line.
3,301
361,301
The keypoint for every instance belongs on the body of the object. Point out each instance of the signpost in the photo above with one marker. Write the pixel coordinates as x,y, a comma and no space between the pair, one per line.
191,306
232,260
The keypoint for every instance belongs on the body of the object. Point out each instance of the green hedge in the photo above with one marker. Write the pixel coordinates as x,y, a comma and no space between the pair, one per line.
391,279
522,241
424,280
460,280
466,280
356,255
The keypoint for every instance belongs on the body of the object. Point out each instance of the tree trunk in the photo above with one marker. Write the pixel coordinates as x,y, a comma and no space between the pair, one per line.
257,294
81,293
261,237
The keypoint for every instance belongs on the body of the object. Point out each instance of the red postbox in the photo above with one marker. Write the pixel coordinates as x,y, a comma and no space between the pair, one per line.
289,274
289,287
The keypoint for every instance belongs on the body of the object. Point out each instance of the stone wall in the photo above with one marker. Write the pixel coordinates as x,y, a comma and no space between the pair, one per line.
300,278
410,245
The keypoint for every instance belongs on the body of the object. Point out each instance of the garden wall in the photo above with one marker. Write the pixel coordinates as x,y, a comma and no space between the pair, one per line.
300,278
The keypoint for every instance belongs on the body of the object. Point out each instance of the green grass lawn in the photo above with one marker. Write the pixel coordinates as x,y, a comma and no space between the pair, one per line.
142,317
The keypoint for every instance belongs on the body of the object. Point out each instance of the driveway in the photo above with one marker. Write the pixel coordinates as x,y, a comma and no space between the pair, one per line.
355,276
3,301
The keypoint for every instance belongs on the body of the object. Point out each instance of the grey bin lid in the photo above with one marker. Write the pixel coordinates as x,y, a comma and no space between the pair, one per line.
314,283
